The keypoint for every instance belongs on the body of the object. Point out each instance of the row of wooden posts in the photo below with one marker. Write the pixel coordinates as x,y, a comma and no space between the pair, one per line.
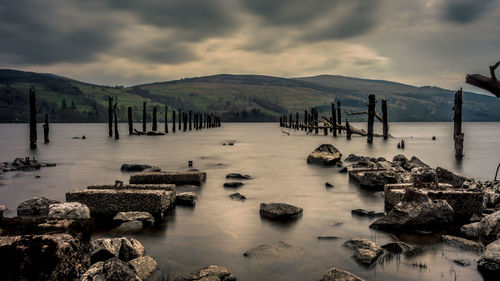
311,121
186,120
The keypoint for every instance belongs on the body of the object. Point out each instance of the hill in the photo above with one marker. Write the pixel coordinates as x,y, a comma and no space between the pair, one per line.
235,97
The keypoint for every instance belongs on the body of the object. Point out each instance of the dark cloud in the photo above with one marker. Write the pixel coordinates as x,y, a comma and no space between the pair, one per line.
465,11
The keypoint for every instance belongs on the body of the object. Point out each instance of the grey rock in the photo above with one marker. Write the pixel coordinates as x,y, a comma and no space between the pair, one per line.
36,206
237,196
400,159
328,185
233,184
489,228
470,230
209,273
335,274
2,209
110,270
130,249
146,218
462,243
280,211
356,158
462,262
138,168
144,267
365,213
343,170
374,179
186,198
238,176
69,211
393,247
365,251
325,154
446,176
424,177
278,249
490,260
122,248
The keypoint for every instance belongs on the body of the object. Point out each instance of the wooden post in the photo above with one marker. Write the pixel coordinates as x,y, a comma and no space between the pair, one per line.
196,121
144,116
190,119
457,130
180,119
130,124
334,120
33,135
316,121
46,129
296,120
173,121
115,110
110,116
339,117
371,117
166,119
385,125
184,119
155,121
348,129
281,121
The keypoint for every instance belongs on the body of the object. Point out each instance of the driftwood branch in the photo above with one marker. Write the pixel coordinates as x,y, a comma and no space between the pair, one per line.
379,118
354,130
491,85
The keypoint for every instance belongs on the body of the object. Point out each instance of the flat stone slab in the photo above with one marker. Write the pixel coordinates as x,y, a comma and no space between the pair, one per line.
279,211
177,178
169,187
278,249
109,202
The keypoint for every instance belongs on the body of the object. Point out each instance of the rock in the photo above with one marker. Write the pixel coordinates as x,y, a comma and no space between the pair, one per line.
490,189
144,267
365,213
233,184
325,154
122,248
328,237
130,249
489,262
238,176
400,159
365,252
423,177
462,262
42,257
129,227
2,209
280,211
373,179
343,170
393,248
278,249
110,270
210,273
186,198
177,178
415,211
36,206
446,176
335,274
489,228
470,230
237,196
229,142
69,210
328,185
417,162
144,217
155,133
138,168
356,158
462,243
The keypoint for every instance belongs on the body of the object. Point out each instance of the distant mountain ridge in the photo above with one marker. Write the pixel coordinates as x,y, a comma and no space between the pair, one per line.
234,97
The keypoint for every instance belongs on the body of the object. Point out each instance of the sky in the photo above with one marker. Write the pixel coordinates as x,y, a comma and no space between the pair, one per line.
127,42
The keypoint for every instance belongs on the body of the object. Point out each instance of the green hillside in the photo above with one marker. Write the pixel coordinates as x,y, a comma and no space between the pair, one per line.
234,97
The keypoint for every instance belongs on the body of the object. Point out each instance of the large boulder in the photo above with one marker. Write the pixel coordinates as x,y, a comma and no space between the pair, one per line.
325,154
122,248
336,274
36,206
144,267
365,251
374,179
146,218
489,228
209,273
489,262
446,176
42,257
69,211
110,270
280,211
416,211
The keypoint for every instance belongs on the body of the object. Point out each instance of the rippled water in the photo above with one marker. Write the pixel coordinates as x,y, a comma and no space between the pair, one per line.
218,230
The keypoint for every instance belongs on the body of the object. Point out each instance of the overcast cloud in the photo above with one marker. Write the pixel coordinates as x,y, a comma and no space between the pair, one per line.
420,42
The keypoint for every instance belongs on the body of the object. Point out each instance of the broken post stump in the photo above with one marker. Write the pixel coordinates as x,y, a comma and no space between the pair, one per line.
155,121
33,135
339,117
458,136
180,119
334,121
173,121
385,128
348,130
184,119
371,117
166,119
46,129
130,124
110,116
115,111
190,119
144,116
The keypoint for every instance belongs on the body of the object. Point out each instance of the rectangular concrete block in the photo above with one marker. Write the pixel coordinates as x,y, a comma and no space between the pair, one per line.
109,202
169,187
177,178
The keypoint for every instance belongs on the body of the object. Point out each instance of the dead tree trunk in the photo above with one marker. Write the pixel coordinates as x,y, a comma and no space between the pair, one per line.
130,124
144,116
457,130
385,128
166,119
46,129
33,135
339,116
110,116
489,84
371,117
155,121
334,121
115,111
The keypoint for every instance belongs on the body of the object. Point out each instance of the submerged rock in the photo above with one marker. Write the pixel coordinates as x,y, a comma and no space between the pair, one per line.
209,273
365,213
279,211
237,196
489,228
35,206
238,176
325,154
489,262
335,274
186,198
365,251
144,217
110,270
462,243
462,262
138,168
278,249
69,210
233,184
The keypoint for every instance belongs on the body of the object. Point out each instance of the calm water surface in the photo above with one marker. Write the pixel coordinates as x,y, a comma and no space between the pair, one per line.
218,230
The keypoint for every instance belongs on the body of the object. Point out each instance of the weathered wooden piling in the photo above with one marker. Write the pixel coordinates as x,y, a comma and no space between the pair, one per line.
173,121
296,120
155,121
334,120
166,119
180,119
339,117
385,128
144,116
371,117
316,121
457,130
110,116
184,119
130,124
115,113
348,130
33,135
46,129
190,119
196,121
281,121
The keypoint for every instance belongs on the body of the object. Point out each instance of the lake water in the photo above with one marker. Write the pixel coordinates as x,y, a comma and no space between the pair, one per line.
218,230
